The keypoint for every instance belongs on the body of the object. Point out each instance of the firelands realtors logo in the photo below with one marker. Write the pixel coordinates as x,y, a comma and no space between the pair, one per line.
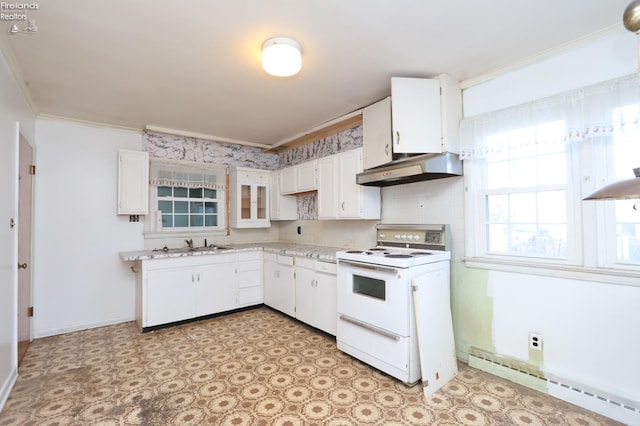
18,13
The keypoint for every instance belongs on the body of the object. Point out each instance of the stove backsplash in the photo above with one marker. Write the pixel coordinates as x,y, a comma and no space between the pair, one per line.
434,201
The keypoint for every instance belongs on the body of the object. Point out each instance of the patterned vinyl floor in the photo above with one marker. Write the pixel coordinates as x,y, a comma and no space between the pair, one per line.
255,367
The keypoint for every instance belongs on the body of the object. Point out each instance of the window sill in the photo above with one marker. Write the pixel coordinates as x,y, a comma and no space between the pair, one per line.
601,275
185,233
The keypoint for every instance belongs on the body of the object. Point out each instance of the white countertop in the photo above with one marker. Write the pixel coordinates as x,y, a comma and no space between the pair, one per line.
327,254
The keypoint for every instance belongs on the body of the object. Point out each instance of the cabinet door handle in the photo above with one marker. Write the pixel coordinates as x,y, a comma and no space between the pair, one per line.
198,277
342,205
193,278
386,149
22,266
397,137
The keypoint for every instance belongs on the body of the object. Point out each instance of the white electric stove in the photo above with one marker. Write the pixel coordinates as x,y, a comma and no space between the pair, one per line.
381,291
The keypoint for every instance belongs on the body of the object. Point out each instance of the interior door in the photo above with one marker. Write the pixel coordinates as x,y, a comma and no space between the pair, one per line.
24,246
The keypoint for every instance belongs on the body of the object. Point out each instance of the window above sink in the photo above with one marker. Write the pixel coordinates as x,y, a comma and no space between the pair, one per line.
186,199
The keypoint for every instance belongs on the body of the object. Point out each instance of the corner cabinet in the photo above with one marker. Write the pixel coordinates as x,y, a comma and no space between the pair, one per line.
249,198
339,196
279,283
283,207
300,178
133,182
316,294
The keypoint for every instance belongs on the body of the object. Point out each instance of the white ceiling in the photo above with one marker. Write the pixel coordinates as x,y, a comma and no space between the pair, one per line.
194,65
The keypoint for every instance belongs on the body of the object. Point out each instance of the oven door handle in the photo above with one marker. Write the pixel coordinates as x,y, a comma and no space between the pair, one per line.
369,327
369,266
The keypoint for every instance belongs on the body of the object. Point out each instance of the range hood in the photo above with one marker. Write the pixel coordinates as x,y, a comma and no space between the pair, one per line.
412,169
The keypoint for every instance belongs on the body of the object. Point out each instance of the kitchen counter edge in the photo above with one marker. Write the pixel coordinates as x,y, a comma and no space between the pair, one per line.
322,253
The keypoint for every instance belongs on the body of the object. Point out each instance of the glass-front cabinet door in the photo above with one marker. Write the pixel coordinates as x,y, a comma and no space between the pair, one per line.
249,198
245,201
262,202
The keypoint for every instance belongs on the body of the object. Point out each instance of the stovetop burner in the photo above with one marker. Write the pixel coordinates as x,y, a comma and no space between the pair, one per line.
403,246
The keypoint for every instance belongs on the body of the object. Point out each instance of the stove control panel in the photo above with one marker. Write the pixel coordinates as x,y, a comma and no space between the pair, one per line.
417,237
433,237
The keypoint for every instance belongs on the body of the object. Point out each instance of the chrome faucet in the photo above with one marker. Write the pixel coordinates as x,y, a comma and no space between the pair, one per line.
189,243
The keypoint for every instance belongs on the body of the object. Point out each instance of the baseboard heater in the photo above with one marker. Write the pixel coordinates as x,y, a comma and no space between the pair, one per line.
616,407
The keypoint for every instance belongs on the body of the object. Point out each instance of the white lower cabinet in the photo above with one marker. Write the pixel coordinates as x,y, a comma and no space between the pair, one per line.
169,295
249,278
302,288
182,288
316,294
215,285
279,283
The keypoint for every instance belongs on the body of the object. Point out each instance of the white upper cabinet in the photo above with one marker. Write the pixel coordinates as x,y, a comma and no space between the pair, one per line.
249,198
327,188
376,127
300,178
339,196
133,182
306,176
415,112
283,207
425,114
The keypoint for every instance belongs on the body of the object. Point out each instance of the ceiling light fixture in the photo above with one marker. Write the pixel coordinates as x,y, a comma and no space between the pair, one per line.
281,56
629,188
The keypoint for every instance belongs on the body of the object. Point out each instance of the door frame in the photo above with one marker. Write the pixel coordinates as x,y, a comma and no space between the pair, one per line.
22,287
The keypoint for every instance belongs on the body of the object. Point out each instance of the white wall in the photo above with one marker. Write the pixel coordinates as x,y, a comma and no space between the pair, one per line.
613,55
79,280
590,329
15,118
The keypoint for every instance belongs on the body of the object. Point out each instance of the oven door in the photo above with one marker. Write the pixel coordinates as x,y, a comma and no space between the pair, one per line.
378,296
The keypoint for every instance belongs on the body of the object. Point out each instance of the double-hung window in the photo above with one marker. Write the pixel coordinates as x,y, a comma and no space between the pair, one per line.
187,197
526,192
528,168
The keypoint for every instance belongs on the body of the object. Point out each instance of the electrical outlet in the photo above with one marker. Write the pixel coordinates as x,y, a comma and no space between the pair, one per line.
535,341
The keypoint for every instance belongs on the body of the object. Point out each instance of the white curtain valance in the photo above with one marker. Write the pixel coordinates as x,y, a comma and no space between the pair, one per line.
187,174
584,114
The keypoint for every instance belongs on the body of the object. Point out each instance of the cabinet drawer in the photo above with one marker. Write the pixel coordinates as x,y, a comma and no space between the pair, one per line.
249,278
250,296
326,267
305,262
285,260
221,258
270,257
181,262
243,256
253,265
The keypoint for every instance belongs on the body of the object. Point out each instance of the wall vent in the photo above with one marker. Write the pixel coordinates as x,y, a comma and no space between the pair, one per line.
531,376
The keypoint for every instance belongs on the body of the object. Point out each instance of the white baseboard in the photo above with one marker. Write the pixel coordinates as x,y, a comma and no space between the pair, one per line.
616,407
56,331
7,386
